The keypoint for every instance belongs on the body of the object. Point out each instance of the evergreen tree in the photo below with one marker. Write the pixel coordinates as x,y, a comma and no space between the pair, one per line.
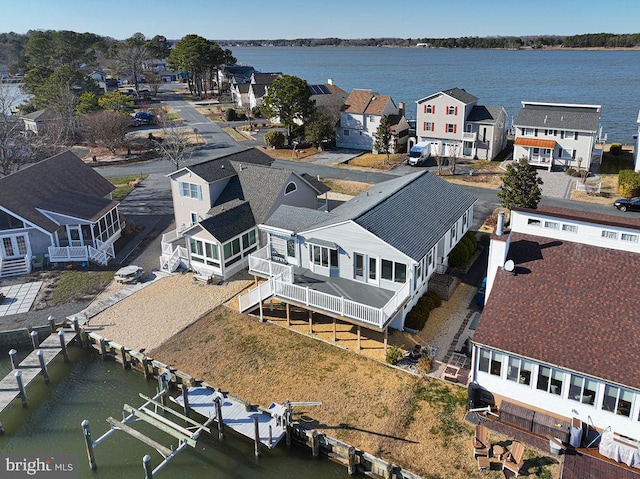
383,136
520,186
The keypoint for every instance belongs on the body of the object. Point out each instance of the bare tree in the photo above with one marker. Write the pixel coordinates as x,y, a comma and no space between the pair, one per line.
440,162
176,144
453,159
107,128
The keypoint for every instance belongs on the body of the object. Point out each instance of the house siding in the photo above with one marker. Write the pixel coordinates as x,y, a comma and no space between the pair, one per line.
184,206
303,196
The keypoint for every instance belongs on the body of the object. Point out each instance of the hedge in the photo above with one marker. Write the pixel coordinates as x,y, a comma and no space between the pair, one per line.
417,317
628,183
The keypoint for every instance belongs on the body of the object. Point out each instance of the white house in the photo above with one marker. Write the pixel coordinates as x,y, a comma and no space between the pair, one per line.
454,124
369,260
360,118
558,334
562,134
328,98
218,205
59,208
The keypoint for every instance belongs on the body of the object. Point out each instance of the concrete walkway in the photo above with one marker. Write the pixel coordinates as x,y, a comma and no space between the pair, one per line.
333,157
18,298
556,184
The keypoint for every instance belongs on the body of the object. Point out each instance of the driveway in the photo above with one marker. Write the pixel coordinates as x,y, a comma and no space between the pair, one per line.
333,157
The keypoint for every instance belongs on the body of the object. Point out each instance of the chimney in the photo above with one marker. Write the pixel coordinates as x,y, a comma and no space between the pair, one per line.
401,108
240,166
330,81
500,225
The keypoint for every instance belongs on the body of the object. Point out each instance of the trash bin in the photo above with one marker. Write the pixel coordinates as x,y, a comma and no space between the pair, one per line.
555,446
575,432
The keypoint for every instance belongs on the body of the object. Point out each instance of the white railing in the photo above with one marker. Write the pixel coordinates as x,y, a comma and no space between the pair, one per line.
98,256
59,254
262,253
270,268
106,248
256,295
171,236
171,262
397,300
469,136
590,188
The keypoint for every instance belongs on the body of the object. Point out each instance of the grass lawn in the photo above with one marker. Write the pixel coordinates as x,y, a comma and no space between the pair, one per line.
74,285
346,187
287,153
414,422
378,162
124,185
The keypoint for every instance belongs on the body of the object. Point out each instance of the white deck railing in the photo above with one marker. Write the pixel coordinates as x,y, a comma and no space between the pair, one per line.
256,295
270,268
59,254
469,136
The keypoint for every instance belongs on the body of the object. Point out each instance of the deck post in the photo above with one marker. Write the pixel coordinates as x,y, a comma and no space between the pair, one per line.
185,399
35,342
43,366
334,330
270,435
76,328
310,322
63,346
359,348
315,444
23,392
146,465
123,354
386,338
52,323
89,444
288,306
256,433
261,313
12,357
351,464
103,349
218,403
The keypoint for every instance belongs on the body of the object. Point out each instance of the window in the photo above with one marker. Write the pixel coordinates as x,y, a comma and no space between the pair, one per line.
231,248
452,237
417,274
490,362
570,228
373,268
519,371
465,218
617,400
190,190
430,263
291,248
534,222
450,128
550,380
629,237
196,246
528,132
394,271
400,271
452,110
323,256
609,234
194,218
346,132
582,389
249,239
483,361
372,118
429,126
429,108
204,252
291,187
551,225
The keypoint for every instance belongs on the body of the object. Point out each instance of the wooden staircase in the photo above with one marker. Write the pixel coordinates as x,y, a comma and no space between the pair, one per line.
13,267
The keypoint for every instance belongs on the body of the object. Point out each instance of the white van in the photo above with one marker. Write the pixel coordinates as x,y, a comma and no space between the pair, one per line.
419,154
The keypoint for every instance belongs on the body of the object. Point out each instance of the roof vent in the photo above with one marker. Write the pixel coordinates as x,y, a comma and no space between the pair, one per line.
222,167
241,167
562,118
546,118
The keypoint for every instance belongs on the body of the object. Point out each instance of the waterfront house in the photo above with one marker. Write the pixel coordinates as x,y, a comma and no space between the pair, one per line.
259,84
235,74
240,94
558,134
218,205
558,334
367,261
455,125
360,117
59,209
328,99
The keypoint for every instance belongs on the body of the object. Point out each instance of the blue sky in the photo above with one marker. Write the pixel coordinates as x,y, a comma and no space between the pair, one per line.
273,19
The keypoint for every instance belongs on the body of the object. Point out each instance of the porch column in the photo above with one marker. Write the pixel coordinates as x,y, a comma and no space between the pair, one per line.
334,330
386,338
288,307
261,315
359,347
310,322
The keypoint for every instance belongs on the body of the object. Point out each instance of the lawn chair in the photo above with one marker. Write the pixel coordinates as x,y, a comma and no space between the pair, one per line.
513,460
37,261
481,441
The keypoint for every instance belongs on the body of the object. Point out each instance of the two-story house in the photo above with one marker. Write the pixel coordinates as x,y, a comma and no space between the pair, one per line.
369,260
562,134
328,99
59,209
360,118
558,334
455,125
218,205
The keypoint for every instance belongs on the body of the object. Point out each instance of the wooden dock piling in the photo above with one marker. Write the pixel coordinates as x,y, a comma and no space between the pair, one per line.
89,444
43,366
63,346
12,357
256,432
185,399
76,328
35,342
351,465
163,384
315,444
123,355
146,465
23,392
52,324
103,349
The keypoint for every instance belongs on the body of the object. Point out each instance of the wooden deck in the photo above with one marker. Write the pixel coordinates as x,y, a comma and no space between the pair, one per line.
589,464
236,416
30,367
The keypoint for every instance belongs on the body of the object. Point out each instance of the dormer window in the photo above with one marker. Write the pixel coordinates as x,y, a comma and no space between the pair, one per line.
291,187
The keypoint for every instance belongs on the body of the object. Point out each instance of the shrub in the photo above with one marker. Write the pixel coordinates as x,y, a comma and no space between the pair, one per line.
394,354
615,149
571,171
424,365
230,114
241,117
473,239
417,317
274,139
628,183
435,300
459,255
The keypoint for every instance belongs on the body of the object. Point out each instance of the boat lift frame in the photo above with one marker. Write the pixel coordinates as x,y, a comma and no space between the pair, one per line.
148,412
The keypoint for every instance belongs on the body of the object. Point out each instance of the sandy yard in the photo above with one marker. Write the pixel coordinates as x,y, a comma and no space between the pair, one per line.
161,310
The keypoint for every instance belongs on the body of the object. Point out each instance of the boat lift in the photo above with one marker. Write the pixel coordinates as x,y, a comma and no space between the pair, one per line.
149,413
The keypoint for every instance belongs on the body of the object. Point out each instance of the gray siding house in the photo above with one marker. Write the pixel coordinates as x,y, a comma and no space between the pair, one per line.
59,209
369,260
218,205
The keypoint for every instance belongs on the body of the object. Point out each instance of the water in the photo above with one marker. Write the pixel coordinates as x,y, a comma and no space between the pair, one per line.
496,77
90,389
12,96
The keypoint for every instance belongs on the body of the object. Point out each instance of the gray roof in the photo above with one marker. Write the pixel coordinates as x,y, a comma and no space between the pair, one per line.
562,117
229,222
410,213
243,87
461,95
265,78
315,183
219,168
259,89
46,185
485,114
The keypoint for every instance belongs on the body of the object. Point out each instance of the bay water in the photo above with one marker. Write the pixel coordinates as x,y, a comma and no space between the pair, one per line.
496,77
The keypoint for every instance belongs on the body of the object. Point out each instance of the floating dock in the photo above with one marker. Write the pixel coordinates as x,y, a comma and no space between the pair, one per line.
238,416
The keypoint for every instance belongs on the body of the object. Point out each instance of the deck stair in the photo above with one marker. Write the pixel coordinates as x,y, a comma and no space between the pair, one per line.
13,267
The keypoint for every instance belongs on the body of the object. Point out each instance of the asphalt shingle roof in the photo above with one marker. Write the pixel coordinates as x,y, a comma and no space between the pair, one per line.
571,305
461,95
45,185
219,168
561,117
229,222
484,114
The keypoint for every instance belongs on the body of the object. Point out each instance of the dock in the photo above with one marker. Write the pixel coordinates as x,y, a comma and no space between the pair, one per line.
238,416
35,364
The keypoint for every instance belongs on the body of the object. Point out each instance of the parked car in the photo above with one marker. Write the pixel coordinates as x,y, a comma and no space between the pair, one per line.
628,204
142,118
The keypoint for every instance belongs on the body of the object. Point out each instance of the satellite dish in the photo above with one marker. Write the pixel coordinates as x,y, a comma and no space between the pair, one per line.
509,266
